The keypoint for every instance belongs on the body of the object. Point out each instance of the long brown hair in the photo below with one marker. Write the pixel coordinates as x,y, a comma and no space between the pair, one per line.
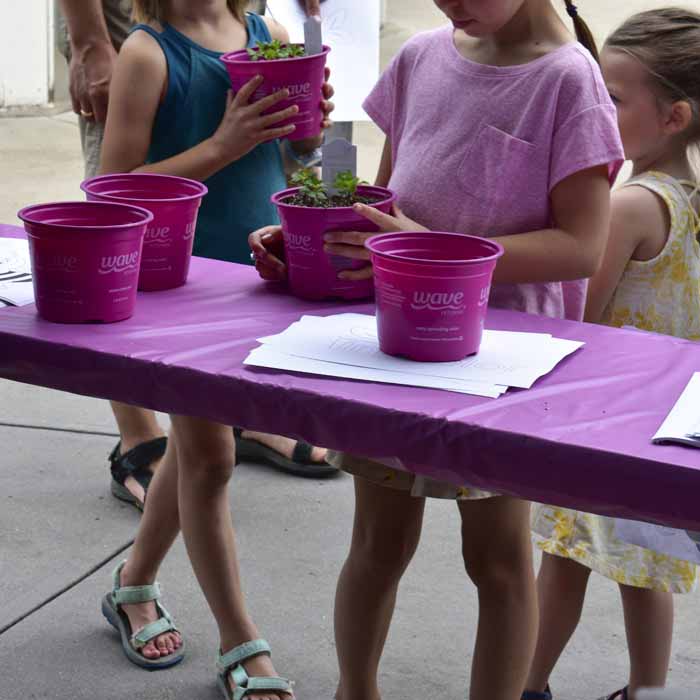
667,43
583,33
156,10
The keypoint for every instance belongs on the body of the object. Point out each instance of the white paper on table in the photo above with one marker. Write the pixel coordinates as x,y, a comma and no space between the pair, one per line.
511,359
684,418
272,358
16,287
351,29
665,540
14,255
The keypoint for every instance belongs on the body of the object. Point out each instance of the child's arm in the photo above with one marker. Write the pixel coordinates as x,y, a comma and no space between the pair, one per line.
138,86
639,221
572,250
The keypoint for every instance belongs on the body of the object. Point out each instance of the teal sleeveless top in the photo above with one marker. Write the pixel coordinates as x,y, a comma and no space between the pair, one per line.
239,195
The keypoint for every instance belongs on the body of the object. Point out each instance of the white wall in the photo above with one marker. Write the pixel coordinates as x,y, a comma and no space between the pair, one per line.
26,52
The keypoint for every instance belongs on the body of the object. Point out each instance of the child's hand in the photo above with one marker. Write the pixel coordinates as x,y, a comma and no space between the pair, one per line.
268,252
244,126
326,105
351,244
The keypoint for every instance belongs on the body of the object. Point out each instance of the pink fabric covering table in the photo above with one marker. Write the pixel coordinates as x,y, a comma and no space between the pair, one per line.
580,437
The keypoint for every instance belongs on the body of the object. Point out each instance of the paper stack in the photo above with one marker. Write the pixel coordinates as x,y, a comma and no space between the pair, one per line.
346,345
682,424
15,273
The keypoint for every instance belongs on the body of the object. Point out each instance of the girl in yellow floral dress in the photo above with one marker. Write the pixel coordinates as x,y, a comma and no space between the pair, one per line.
650,278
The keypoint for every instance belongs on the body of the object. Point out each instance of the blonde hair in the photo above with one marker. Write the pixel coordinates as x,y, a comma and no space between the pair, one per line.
156,10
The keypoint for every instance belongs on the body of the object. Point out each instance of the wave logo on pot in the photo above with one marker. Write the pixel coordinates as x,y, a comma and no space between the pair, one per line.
438,301
119,263
189,231
296,92
58,263
300,243
158,236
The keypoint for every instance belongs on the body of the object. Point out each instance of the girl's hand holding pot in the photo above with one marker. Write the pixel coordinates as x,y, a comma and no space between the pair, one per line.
244,126
351,244
268,253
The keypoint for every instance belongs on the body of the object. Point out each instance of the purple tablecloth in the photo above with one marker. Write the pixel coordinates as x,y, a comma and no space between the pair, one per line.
580,437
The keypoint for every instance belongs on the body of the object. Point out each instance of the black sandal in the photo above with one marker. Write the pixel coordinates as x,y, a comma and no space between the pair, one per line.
619,695
136,463
300,464
533,695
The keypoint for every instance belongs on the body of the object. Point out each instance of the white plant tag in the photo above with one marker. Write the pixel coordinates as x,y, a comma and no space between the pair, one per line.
339,156
313,36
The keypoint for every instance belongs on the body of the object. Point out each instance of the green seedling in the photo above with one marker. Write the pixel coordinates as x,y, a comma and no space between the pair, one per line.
275,50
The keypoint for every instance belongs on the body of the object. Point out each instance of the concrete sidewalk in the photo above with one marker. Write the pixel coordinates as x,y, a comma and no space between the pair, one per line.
60,526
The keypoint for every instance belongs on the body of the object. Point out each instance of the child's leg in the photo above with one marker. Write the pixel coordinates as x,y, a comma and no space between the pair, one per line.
561,589
385,536
136,426
157,531
498,557
649,626
205,453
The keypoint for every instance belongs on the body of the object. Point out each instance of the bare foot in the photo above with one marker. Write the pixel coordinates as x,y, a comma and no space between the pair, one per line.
261,665
284,445
142,614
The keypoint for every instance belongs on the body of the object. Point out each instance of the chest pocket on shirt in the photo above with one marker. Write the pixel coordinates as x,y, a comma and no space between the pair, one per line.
497,166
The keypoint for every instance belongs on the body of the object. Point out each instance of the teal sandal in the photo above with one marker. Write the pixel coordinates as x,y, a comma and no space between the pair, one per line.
132,643
231,663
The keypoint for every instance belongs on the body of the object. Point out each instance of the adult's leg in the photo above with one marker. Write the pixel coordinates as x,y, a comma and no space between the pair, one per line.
136,426
561,590
385,535
498,558
649,627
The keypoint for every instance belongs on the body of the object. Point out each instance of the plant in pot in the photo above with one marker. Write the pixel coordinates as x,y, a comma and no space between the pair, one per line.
284,66
307,212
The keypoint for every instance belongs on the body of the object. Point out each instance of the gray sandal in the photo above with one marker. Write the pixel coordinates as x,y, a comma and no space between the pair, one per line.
231,664
132,643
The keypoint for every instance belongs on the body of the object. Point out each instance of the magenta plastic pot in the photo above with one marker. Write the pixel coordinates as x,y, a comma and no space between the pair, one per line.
85,259
311,272
432,290
302,76
174,203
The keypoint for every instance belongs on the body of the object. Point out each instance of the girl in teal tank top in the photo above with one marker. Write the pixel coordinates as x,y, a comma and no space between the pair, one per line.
239,195
170,112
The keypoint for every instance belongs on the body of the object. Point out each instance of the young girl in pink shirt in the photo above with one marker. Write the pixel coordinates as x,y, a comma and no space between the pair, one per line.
498,125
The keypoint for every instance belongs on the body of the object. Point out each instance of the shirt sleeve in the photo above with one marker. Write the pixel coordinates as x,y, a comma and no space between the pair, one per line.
585,140
380,104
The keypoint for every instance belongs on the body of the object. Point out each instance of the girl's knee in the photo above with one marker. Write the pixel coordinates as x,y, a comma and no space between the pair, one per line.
209,463
494,571
384,551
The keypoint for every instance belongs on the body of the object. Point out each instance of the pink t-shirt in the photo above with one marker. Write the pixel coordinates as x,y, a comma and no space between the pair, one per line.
477,149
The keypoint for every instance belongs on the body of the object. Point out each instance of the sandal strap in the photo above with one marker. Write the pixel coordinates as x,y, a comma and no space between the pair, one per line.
302,452
131,595
273,684
241,653
136,461
128,595
151,631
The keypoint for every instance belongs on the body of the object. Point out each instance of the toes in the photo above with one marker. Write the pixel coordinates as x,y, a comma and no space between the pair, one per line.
162,645
150,651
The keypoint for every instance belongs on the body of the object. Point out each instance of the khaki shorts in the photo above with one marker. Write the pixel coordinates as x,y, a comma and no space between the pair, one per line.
418,486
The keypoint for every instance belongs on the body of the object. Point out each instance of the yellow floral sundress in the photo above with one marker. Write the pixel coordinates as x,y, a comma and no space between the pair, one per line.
660,295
